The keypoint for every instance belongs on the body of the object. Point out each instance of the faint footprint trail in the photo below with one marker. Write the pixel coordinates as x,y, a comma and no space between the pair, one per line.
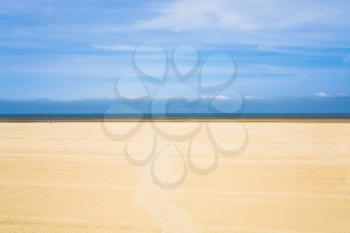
158,202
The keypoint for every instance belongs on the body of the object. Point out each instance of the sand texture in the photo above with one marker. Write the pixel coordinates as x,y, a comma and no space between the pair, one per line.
73,177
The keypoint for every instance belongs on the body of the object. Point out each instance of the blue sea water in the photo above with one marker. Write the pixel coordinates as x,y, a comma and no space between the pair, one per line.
292,107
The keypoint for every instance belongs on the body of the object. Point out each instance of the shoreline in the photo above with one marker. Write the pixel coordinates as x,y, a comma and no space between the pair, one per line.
182,119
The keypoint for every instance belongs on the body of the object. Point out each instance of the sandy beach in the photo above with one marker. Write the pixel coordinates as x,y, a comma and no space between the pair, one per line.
292,177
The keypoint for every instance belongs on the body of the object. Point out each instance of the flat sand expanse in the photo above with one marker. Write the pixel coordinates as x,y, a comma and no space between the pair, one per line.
71,177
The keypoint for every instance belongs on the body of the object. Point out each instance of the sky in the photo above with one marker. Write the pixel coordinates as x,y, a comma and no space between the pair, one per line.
75,50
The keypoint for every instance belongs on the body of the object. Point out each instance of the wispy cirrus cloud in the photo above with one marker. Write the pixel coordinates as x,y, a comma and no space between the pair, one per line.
190,15
218,97
242,15
249,97
287,23
127,47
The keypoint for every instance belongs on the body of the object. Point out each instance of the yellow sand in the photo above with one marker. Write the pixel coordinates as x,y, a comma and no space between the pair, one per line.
71,177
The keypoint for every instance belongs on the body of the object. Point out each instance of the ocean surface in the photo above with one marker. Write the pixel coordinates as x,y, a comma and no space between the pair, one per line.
106,108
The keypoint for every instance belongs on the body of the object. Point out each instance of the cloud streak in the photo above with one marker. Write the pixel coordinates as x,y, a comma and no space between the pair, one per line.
322,94
242,15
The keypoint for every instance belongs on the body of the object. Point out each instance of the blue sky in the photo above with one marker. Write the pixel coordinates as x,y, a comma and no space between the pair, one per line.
74,50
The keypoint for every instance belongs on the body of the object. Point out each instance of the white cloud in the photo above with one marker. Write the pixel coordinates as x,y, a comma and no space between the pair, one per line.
244,15
322,94
219,97
193,14
248,97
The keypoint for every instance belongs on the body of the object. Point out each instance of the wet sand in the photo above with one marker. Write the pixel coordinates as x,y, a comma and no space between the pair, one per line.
293,176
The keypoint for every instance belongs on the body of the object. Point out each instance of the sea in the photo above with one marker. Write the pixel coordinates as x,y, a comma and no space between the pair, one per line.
109,109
